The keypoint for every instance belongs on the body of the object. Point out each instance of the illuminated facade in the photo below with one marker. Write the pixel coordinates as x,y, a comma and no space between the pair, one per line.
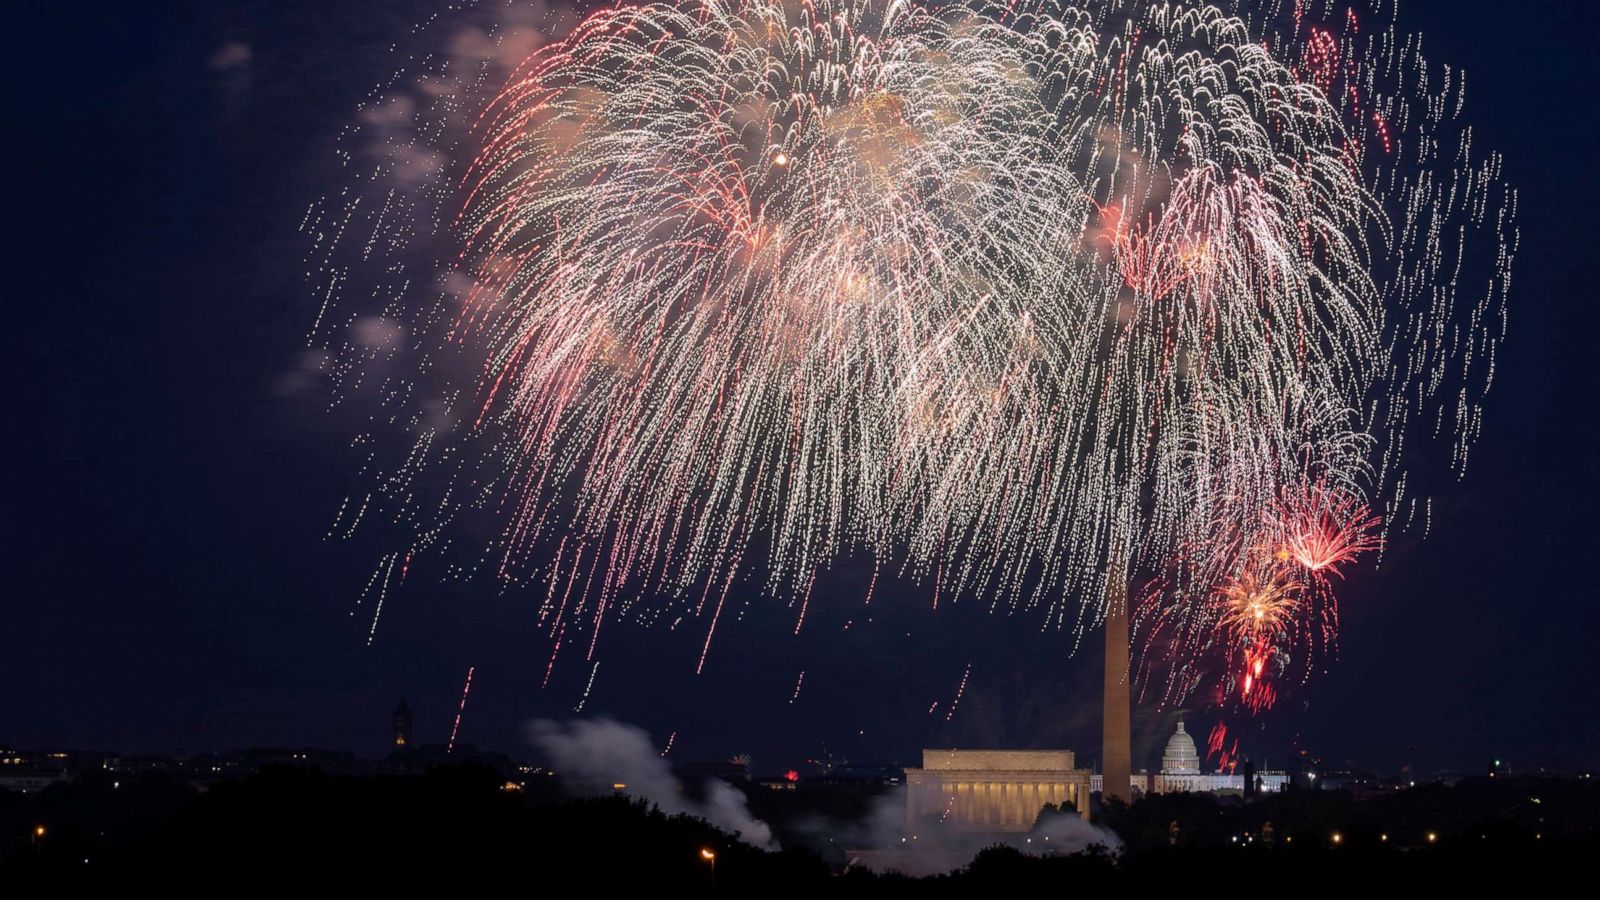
1180,771
992,790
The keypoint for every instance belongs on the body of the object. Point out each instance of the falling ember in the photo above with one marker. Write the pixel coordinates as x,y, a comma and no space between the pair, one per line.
960,690
939,283
460,711
587,688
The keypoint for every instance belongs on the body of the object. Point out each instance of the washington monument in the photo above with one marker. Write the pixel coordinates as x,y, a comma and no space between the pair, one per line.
1116,765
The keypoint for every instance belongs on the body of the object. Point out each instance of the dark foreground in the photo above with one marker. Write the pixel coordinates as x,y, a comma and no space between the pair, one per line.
304,829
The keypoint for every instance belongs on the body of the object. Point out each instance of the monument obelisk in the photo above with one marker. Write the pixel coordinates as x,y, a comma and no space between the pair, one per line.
1116,764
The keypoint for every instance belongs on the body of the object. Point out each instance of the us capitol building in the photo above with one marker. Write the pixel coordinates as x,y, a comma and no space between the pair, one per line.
1180,772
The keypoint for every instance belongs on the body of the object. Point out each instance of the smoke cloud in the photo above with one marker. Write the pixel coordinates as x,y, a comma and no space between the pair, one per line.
594,755
883,842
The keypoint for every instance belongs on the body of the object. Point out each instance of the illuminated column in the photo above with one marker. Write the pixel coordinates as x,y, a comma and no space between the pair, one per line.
1116,750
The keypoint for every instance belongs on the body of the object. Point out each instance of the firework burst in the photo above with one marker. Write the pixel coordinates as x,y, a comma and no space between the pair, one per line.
1003,298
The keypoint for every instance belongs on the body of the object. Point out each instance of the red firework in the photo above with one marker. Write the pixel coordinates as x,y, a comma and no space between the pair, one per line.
1258,617
1322,528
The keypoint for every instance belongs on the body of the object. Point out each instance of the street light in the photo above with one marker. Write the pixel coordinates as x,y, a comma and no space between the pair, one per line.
710,856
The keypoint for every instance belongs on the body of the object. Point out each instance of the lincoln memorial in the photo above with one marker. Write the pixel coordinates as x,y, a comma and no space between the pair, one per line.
992,790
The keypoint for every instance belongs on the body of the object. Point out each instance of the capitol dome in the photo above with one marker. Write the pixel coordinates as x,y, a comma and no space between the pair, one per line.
1180,757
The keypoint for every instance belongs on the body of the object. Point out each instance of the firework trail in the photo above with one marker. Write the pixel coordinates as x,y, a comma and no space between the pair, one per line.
961,690
1004,298
588,688
460,711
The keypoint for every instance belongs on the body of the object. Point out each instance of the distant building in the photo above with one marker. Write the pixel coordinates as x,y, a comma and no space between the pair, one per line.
26,780
401,740
1181,757
994,791
1180,772
730,770
1138,784
862,776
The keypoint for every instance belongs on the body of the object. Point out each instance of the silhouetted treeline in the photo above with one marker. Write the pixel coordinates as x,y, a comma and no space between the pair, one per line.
302,828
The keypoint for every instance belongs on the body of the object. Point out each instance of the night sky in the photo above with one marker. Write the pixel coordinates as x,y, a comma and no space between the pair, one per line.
166,584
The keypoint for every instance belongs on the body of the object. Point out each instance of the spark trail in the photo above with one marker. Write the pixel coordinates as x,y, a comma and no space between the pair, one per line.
460,711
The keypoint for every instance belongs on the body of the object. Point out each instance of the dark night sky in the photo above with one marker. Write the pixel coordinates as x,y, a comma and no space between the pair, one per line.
165,583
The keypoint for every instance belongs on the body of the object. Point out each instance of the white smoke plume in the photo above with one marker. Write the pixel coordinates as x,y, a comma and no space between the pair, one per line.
883,841
593,755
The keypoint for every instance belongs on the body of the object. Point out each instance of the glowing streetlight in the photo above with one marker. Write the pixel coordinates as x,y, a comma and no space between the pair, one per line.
710,856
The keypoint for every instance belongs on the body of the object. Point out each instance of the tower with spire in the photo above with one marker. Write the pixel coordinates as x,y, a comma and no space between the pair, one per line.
401,741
